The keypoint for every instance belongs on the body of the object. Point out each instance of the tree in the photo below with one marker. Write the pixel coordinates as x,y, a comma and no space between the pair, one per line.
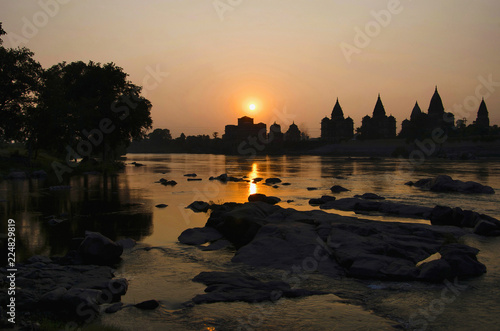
19,86
160,136
89,109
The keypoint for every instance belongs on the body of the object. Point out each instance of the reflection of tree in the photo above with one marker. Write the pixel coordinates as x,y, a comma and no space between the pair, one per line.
94,203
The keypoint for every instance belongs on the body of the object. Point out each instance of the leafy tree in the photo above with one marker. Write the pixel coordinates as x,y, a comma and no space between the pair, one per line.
159,136
91,108
19,86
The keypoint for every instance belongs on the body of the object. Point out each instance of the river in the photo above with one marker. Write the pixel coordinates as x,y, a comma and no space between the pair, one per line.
123,206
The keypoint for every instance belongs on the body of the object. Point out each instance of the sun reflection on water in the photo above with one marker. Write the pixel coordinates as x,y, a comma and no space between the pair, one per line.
252,175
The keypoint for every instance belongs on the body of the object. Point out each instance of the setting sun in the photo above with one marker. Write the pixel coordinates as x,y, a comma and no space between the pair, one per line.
252,107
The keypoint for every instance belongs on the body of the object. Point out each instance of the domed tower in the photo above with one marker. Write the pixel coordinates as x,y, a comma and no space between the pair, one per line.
416,112
379,110
482,119
436,108
337,113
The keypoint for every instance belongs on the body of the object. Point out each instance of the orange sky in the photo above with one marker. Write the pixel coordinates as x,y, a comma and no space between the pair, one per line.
203,62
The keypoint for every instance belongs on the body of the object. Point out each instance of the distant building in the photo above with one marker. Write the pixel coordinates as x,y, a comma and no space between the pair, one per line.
275,136
482,123
378,126
293,133
245,128
421,124
482,119
337,127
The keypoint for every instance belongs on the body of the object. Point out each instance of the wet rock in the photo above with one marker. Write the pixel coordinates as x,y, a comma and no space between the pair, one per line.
264,198
312,188
258,179
126,243
98,249
116,307
199,236
487,228
148,305
239,222
319,201
199,206
270,236
463,260
191,175
286,184
166,182
217,245
232,286
369,196
137,164
483,224
338,189
435,271
273,180
443,183
387,207
225,178
161,205
194,179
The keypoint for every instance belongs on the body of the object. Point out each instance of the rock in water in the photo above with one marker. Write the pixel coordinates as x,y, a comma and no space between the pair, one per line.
264,198
443,183
273,181
148,305
199,206
98,249
199,236
338,189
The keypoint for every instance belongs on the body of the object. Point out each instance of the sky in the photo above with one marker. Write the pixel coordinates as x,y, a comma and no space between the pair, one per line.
202,63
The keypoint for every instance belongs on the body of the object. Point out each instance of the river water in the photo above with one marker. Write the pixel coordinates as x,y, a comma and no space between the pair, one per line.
124,206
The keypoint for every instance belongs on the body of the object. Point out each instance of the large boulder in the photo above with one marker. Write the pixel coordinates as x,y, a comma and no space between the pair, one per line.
98,249
199,236
463,260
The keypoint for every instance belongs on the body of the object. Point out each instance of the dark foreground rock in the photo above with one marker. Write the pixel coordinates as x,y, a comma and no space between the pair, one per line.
231,286
98,249
65,292
445,183
371,205
483,224
314,241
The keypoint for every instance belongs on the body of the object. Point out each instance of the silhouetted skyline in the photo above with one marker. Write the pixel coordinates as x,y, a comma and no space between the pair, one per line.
202,67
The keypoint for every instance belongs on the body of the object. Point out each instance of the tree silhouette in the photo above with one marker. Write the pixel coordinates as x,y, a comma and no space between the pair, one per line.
19,86
89,106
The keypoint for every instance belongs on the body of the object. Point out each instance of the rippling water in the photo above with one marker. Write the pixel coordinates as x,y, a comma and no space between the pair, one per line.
124,206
